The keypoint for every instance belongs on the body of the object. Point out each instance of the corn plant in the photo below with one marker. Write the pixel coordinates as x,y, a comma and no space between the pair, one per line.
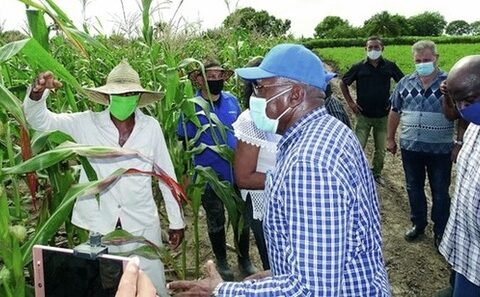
79,59
15,256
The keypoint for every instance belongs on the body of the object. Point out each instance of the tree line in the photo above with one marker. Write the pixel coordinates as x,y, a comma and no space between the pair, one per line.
394,25
383,24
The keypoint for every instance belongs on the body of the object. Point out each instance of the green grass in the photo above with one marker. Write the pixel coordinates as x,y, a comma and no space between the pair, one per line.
343,57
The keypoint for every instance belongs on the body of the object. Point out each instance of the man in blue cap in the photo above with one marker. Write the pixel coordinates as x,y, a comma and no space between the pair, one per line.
322,221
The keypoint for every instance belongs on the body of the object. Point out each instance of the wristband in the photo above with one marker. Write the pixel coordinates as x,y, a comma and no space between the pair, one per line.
458,142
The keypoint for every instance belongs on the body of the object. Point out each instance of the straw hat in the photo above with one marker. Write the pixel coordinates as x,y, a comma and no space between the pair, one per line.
122,79
209,64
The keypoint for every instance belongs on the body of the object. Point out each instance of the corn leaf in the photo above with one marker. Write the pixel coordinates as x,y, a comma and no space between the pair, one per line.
77,38
71,99
12,104
62,212
42,58
224,151
62,15
233,203
11,49
63,152
26,150
36,53
17,267
147,29
84,38
40,139
4,215
148,249
68,149
188,61
145,251
171,86
38,27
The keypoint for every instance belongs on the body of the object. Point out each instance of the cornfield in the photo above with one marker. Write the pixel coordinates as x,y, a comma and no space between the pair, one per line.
39,171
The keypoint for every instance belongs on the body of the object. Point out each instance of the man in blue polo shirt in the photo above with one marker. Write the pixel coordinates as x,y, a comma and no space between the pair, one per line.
226,108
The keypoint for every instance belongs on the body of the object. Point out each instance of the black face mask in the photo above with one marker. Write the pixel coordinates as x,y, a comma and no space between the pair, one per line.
215,86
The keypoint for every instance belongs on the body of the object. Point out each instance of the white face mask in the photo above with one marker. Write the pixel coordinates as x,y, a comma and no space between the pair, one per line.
373,54
258,112
425,69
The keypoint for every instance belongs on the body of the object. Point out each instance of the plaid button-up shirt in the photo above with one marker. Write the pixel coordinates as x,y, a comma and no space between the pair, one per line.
461,240
322,221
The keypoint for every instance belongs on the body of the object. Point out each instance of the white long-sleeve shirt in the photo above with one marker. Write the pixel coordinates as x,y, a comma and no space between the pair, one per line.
130,198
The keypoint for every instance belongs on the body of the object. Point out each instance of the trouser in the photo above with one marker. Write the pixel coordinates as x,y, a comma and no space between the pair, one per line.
465,288
257,228
438,167
153,268
379,126
215,213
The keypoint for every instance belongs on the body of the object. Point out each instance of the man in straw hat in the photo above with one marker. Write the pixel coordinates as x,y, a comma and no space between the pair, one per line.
225,106
322,219
129,203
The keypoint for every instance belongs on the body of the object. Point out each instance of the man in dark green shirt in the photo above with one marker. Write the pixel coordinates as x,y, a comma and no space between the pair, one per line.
373,77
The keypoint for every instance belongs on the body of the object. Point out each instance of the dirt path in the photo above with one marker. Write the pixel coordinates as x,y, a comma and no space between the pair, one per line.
414,269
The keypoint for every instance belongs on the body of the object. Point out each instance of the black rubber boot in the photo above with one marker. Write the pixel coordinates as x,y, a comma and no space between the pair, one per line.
244,264
219,248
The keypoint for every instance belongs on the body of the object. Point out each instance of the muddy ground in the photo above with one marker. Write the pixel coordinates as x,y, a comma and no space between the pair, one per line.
414,269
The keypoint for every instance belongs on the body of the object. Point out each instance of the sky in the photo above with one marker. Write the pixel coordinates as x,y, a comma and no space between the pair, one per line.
304,14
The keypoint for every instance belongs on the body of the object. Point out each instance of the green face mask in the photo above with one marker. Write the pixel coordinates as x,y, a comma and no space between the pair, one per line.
121,107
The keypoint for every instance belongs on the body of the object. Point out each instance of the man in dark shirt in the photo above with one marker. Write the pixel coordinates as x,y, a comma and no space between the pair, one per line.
372,76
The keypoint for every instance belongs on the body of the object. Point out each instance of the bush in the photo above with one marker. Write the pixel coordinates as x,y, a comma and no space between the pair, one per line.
402,40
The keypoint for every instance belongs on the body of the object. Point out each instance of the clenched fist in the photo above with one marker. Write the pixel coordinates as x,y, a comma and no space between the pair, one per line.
44,81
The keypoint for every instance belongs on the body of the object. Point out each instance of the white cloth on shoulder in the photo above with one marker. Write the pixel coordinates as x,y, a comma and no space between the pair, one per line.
246,131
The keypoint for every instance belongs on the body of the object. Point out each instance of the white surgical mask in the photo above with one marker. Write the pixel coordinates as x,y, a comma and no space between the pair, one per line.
373,54
258,112
425,69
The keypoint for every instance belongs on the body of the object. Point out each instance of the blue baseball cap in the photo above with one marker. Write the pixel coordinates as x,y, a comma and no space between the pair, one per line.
293,61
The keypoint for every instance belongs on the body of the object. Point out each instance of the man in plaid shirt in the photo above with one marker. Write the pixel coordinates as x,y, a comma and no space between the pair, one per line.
322,221
461,241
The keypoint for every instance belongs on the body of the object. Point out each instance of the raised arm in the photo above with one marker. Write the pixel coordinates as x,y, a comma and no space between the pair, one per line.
37,114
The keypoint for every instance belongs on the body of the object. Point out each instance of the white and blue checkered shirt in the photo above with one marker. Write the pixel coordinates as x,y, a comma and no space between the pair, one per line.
322,222
461,240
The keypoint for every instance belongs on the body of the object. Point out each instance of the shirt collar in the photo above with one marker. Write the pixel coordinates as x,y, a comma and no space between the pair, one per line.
292,132
381,61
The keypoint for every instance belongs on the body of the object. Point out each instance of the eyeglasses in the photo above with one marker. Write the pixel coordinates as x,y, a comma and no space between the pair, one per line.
257,87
